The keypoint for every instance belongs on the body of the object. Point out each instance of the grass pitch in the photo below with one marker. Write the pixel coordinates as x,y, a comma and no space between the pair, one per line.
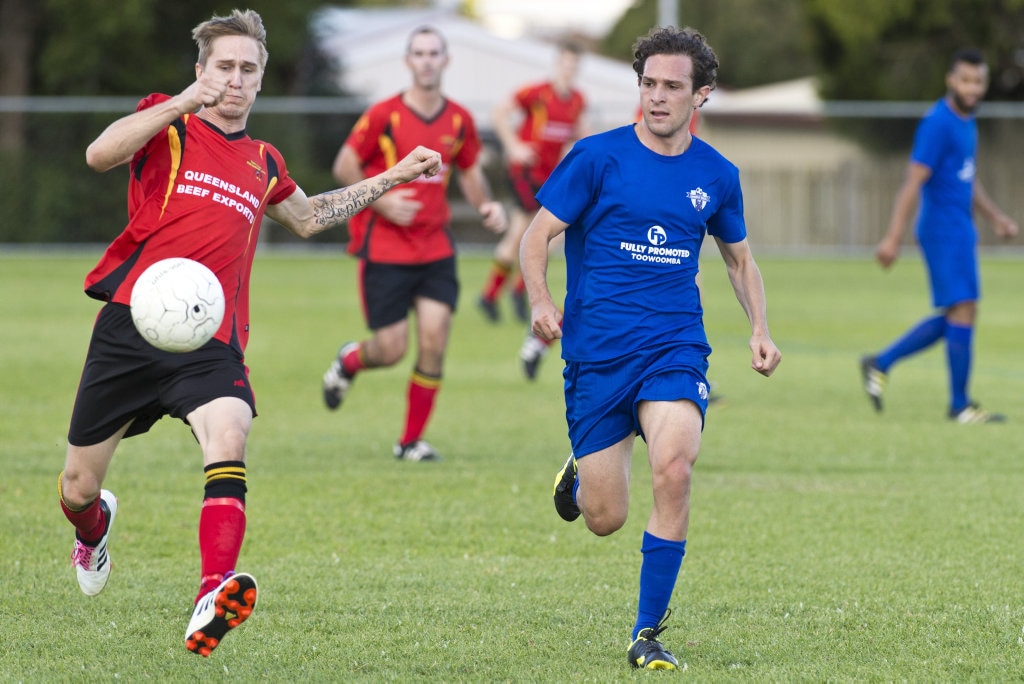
827,542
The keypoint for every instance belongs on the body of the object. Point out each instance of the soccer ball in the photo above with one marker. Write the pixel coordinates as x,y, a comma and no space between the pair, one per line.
177,304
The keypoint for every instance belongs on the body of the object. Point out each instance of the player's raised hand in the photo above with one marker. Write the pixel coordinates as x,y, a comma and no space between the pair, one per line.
206,91
422,161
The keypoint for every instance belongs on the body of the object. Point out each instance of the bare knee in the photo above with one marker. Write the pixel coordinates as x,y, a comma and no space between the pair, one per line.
674,473
85,467
604,520
386,349
78,486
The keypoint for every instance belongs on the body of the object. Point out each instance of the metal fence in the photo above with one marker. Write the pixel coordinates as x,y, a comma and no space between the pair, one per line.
793,201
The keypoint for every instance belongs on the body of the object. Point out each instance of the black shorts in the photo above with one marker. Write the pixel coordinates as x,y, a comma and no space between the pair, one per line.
524,188
390,290
127,379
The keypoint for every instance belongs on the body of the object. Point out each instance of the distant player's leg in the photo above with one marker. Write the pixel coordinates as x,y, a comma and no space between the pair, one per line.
875,368
518,224
959,357
531,352
503,265
435,300
386,293
433,326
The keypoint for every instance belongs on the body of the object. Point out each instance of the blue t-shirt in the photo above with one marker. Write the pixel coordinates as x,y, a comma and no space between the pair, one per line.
946,143
636,223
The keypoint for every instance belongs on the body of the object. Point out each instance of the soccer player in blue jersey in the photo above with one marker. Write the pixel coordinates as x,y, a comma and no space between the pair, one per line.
942,171
635,204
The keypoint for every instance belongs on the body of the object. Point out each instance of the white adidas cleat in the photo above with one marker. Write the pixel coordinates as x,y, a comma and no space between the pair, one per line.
92,563
219,611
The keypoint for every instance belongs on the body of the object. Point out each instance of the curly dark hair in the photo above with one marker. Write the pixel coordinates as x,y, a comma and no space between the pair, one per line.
669,40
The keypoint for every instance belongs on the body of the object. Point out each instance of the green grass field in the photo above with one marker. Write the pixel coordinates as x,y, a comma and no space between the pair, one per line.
827,542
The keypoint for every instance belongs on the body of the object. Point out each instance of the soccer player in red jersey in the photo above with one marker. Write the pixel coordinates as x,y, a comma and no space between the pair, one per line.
405,248
551,119
198,188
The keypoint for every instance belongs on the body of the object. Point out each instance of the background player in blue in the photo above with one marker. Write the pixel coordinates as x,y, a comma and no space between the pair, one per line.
942,170
634,204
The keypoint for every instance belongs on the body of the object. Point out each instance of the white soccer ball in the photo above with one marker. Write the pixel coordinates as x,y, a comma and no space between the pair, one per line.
177,304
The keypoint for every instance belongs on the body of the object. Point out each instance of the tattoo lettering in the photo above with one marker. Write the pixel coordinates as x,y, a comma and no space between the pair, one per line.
333,207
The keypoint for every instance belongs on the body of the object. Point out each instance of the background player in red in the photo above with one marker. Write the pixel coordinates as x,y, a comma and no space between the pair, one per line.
405,248
551,119
198,188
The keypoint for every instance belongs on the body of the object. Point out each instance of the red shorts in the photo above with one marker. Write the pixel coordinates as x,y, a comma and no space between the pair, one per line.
524,187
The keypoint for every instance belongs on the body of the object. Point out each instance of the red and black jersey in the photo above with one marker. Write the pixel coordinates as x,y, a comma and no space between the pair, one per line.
549,124
383,135
196,192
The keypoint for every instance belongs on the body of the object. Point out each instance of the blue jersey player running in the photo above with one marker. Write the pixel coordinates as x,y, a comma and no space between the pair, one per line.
635,204
942,172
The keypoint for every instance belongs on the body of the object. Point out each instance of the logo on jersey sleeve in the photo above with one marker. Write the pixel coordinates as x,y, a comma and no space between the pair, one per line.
698,198
702,391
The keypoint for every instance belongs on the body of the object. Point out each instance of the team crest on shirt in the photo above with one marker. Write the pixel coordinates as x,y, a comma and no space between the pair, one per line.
258,170
702,391
698,198
966,172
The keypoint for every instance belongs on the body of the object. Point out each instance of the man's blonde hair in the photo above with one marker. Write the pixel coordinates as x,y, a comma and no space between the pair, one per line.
238,23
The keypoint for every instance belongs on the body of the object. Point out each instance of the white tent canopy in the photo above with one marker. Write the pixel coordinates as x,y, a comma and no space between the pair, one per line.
369,45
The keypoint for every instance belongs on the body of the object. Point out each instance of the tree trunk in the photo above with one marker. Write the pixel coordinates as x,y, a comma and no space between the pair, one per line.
17,25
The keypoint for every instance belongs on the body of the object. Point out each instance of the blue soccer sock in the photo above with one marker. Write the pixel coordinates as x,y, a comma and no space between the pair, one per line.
958,355
920,337
658,573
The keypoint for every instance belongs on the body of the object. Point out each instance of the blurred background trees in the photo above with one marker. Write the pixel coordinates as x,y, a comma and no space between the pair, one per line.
861,50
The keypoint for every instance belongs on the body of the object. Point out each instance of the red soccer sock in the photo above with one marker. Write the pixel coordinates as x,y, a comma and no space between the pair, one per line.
221,522
422,392
520,286
221,531
496,280
89,522
353,361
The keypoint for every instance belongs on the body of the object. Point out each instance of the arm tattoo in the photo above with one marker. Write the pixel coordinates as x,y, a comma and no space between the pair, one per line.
333,207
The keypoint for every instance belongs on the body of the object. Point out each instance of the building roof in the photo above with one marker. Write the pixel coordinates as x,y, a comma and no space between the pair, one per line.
485,69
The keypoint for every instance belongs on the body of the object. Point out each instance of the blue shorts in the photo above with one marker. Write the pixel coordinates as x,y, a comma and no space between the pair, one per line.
601,398
952,270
